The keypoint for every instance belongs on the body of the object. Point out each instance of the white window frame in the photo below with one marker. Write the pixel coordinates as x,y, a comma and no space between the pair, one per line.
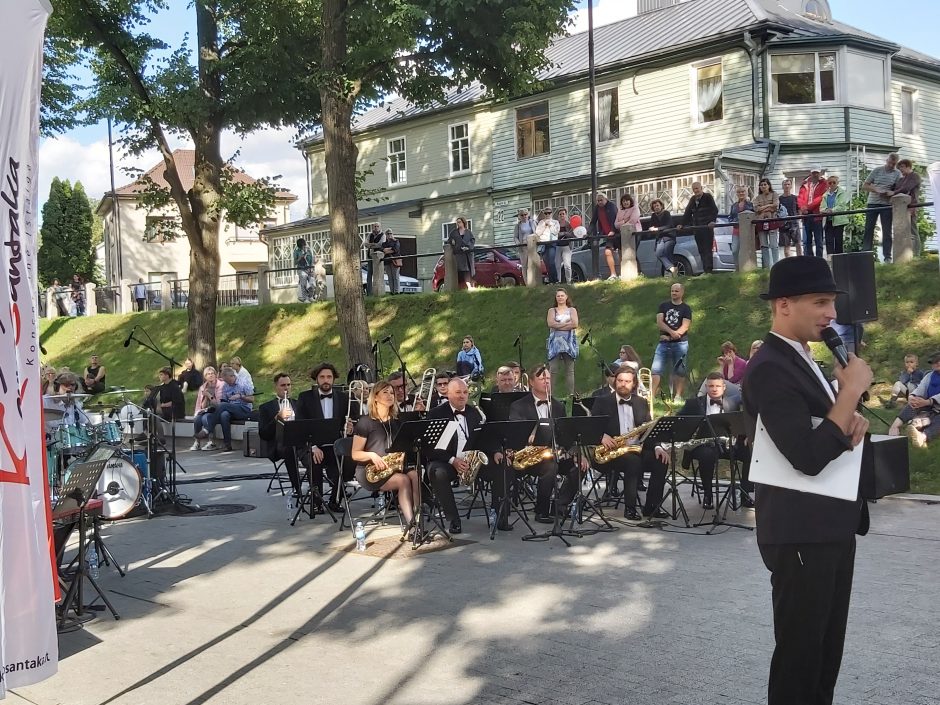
693,88
365,229
453,145
818,102
597,92
447,227
403,180
914,105
515,128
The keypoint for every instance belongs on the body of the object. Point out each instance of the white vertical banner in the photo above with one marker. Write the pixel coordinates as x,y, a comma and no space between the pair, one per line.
28,647
933,173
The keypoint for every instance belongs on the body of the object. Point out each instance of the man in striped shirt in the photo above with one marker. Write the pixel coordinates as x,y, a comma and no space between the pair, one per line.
880,185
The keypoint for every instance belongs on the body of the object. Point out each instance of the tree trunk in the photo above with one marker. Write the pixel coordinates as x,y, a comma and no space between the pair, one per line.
338,99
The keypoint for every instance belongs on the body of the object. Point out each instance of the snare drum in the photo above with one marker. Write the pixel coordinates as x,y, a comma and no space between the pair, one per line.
106,432
119,488
132,421
67,437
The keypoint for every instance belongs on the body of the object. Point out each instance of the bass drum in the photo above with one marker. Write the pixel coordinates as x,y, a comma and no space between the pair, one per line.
119,488
132,421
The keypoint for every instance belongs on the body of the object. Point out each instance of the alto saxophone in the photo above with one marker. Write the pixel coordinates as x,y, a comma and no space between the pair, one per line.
476,459
394,462
530,456
623,445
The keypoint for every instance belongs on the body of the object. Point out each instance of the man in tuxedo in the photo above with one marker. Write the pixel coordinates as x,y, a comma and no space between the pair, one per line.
439,393
505,380
806,540
406,402
282,409
625,410
447,458
610,375
535,407
324,402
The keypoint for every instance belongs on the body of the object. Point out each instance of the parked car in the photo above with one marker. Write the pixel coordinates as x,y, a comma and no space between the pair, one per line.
499,267
685,255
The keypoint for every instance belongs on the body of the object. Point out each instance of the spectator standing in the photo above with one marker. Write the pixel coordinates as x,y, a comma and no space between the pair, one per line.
562,343
836,199
461,239
547,230
790,231
140,294
603,225
628,214
909,184
78,294
880,185
392,250
673,319
809,201
524,227
374,242
700,215
767,207
661,220
469,360
303,261
563,249
63,299
737,208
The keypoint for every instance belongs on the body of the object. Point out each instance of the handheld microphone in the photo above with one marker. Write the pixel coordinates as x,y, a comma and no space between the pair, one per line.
586,337
836,345
387,338
130,336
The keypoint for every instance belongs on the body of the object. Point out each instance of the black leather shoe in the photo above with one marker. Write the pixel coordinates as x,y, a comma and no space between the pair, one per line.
544,519
658,514
455,527
504,525
631,514
746,500
335,507
708,504
641,486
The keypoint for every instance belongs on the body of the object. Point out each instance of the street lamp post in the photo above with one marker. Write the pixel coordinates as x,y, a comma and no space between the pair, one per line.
595,249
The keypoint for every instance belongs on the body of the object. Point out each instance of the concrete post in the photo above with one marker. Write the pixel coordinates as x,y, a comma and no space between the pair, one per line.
52,311
125,295
91,299
533,273
629,269
747,257
264,291
902,246
451,281
166,293
378,273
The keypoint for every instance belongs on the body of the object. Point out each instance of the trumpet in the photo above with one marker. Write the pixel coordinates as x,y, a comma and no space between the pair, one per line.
524,382
286,411
423,395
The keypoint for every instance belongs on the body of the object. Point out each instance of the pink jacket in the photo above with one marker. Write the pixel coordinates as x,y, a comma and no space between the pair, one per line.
206,397
629,216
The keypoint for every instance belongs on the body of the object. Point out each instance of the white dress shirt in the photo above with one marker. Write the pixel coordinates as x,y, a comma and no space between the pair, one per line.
714,406
326,405
625,414
808,359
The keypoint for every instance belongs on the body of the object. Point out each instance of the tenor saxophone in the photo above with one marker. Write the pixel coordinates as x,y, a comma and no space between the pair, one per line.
623,444
530,456
394,462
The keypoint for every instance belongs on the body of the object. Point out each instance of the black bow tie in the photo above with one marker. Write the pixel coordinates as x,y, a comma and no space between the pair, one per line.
713,402
624,401
457,413
327,396
542,401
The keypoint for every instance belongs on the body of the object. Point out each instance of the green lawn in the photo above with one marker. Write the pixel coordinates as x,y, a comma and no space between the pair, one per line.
428,329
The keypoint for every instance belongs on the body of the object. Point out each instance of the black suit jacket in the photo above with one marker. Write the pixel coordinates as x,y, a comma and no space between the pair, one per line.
309,405
780,387
473,418
698,405
524,410
607,405
267,419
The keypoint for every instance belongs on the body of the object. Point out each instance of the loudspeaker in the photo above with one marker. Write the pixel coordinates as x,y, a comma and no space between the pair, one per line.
854,273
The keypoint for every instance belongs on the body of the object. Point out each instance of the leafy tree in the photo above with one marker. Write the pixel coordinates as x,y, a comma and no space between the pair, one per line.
66,234
305,63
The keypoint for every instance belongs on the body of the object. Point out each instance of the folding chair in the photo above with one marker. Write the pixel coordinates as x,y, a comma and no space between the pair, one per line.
280,479
341,449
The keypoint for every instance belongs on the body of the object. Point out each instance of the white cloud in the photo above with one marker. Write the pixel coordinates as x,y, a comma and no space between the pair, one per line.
605,12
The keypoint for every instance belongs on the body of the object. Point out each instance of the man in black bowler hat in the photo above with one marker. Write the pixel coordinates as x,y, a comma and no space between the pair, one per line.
807,541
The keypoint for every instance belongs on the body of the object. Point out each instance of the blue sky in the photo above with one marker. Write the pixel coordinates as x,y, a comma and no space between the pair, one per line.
82,153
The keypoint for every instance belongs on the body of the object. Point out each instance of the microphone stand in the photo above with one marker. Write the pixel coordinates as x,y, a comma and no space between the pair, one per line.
377,359
179,503
601,362
518,344
402,367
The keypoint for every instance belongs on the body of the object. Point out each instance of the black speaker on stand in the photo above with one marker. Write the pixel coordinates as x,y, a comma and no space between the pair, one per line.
854,273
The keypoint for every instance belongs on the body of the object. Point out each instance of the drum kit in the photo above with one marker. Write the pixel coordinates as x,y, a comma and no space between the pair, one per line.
116,421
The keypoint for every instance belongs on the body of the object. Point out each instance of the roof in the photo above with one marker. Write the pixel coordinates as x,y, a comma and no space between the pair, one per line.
186,165
305,224
644,36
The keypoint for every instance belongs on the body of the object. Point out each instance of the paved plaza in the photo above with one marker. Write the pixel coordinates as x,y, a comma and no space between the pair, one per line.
243,609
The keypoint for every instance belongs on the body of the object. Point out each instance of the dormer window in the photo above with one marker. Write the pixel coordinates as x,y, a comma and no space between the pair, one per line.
817,10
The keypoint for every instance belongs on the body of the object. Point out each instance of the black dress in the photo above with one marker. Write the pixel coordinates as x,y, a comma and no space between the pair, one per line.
378,437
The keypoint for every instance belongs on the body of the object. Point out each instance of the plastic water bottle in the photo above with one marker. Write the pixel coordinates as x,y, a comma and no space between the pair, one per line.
360,537
381,500
573,511
93,562
492,515
290,507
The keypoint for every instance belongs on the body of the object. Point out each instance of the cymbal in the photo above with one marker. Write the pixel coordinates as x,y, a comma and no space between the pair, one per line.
65,397
53,414
121,391
100,407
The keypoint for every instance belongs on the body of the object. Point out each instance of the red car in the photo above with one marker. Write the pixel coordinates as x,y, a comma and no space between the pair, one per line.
500,267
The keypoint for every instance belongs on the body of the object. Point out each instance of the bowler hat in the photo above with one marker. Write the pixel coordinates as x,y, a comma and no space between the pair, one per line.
794,276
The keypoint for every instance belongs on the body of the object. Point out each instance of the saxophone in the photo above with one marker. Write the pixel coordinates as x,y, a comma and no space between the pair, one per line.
394,462
603,455
530,456
476,459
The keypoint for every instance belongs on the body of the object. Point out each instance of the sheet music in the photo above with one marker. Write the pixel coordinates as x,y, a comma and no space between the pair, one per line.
839,479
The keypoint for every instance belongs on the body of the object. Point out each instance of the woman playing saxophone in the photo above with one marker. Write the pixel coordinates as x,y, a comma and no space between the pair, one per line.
371,440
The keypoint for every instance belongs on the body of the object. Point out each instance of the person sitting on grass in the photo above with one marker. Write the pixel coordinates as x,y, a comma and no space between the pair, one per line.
907,382
923,408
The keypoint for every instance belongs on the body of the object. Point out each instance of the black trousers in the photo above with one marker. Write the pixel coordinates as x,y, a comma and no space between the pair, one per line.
834,239
704,240
657,483
812,584
868,239
546,472
630,466
329,465
707,459
289,456
441,475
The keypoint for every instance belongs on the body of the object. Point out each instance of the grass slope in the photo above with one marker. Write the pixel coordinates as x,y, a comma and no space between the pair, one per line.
428,329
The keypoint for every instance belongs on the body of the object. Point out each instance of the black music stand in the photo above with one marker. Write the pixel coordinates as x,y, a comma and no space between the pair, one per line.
579,404
502,437
670,430
496,405
580,432
732,425
77,489
306,433
410,438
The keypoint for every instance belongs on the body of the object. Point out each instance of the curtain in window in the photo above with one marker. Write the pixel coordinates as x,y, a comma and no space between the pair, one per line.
709,93
603,116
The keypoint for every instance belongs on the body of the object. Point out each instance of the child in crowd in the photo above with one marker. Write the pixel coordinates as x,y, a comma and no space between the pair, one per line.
907,382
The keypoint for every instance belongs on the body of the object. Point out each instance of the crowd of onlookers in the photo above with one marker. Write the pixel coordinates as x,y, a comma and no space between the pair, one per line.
69,299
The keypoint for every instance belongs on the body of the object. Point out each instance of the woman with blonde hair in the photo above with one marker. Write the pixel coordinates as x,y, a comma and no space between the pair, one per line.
372,438
207,397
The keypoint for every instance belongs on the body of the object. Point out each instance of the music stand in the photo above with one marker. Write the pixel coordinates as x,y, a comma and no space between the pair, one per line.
732,425
670,430
502,437
496,405
580,432
306,433
77,489
410,438
579,404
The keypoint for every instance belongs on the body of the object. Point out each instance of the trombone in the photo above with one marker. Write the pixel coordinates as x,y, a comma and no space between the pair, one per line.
423,395
359,393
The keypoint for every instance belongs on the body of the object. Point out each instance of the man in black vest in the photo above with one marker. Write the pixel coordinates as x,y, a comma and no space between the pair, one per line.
625,410
324,402
806,540
282,408
446,460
